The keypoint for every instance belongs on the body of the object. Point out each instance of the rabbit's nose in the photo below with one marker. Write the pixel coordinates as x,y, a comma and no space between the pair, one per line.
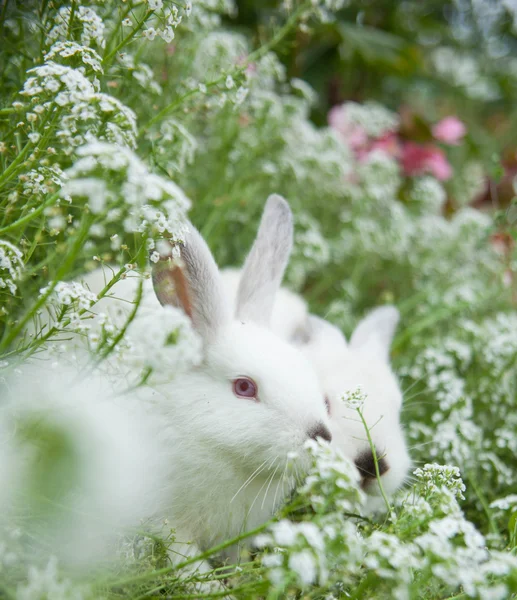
365,464
319,430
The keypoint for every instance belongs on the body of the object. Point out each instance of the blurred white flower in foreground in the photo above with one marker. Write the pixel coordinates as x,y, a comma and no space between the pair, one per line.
78,463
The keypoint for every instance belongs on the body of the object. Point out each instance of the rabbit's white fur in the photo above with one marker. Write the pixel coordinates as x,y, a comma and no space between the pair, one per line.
227,467
343,366
363,362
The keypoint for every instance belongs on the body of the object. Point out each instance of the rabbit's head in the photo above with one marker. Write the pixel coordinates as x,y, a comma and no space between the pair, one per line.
363,362
255,397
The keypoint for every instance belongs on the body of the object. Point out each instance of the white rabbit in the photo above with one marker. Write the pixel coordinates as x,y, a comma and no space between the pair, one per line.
363,362
341,367
230,423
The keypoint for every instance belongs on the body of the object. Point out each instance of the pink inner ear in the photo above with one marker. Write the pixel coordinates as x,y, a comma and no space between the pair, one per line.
171,286
181,288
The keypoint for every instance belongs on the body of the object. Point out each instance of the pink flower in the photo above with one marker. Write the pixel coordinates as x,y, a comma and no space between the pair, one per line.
354,135
449,130
418,159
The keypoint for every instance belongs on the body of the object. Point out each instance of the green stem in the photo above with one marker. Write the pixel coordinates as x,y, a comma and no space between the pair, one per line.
71,21
484,504
33,346
107,59
119,23
109,348
186,563
432,319
229,593
375,460
48,202
4,12
13,167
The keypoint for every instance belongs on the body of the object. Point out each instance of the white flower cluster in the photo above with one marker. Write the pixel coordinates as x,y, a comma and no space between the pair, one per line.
429,194
434,477
91,25
141,72
354,399
11,266
305,555
114,179
48,583
72,294
166,20
471,422
164,342
504,504
176,145
65,85
321,10
83,55
83,463
311,250
217,53
42,181
87,109
373,118
463,70
332,480
69,301
206,14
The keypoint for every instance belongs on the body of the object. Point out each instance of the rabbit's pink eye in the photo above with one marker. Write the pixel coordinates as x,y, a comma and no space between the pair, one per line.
245,388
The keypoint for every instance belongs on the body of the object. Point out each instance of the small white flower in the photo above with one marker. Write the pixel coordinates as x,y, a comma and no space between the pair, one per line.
155,4
150,33
167,34
229,82
303,564
155,257
241,95
127,22
34,137
354,399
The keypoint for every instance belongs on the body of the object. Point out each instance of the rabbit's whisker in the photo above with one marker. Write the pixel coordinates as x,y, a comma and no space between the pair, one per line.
269,485
281,480
420,445
261,488
255,473
405,391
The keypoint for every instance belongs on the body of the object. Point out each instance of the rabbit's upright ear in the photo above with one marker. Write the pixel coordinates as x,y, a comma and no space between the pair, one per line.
265,265
322,334
375,332
193,283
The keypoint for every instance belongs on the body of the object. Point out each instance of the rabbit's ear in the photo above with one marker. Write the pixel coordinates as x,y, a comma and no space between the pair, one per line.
265,265
319,333
192,282
324,333
376,331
